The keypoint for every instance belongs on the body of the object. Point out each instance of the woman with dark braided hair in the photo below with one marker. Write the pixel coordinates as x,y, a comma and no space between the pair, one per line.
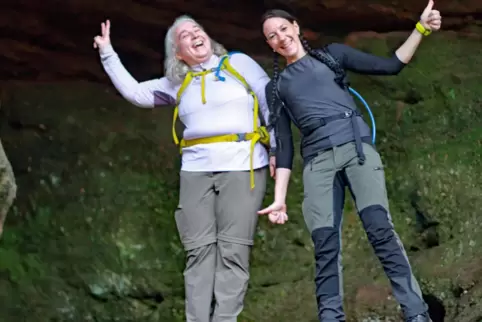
312,92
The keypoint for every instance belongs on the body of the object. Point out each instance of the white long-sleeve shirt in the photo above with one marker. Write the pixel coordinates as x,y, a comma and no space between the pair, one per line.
228,109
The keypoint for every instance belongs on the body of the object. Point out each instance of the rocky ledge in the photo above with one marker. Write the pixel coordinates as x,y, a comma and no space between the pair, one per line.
52,40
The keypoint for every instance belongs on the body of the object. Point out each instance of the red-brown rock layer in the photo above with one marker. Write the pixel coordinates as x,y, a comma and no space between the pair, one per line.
52,40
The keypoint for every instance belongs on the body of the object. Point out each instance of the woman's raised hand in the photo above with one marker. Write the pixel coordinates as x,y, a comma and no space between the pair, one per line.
104,39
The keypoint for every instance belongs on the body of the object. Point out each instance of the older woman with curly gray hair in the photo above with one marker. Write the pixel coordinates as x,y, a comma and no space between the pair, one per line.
225,156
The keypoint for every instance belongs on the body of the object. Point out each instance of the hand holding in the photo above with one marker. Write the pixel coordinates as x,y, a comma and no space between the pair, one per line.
276,213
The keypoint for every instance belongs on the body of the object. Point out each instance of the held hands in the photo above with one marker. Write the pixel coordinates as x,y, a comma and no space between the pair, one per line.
431,19
276,213
104,39
277,210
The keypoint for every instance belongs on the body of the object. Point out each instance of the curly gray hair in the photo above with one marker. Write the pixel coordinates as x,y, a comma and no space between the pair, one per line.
175,70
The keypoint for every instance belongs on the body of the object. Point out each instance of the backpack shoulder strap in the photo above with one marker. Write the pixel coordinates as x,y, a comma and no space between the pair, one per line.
279,100
180,91
324,51
184,84
225,64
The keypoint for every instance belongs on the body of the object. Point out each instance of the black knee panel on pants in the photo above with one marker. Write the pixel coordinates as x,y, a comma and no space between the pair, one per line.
327,247
383,239
376,224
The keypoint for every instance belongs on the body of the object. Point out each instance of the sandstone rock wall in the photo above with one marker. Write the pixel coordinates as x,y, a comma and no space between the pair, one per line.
52,40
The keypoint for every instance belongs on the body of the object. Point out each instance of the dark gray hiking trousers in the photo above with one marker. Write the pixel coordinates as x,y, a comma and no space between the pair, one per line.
325,178
216,219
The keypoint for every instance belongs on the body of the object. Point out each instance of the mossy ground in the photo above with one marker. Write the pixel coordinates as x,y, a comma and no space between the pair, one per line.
92,236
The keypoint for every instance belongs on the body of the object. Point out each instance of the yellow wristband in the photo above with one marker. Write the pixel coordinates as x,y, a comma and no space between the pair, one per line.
421,29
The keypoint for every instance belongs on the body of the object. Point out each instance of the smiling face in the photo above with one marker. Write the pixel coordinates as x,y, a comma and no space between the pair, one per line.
283,37
193,44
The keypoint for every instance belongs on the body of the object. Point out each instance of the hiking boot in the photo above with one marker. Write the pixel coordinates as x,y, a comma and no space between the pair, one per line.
419,318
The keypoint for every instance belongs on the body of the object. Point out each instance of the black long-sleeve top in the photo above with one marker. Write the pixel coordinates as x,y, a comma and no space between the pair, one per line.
309,91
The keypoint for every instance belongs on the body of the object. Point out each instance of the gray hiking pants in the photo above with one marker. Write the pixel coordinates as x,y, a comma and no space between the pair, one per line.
325,178
216,219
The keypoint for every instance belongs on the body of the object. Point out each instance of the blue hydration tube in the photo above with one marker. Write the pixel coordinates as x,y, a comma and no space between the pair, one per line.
374,128
218,69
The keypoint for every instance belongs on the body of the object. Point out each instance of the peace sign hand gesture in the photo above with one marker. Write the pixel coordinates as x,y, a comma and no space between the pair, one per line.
104,39
431,19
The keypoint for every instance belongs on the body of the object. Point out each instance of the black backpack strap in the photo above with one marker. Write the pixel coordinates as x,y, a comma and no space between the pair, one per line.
324,51
283,106
353,114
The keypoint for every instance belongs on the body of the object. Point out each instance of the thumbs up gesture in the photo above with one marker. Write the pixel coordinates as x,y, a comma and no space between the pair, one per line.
430,18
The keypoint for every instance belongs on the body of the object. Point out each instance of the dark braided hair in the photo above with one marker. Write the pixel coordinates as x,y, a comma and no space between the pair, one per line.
275,108
321,55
